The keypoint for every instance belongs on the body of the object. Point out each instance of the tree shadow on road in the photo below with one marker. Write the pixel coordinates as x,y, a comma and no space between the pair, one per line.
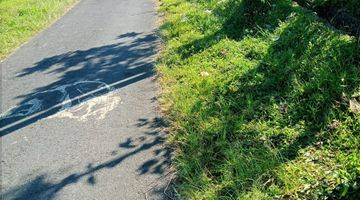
41,188
83,75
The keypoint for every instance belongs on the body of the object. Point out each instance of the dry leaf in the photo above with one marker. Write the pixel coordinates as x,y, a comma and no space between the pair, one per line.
354,106
203,73
334,124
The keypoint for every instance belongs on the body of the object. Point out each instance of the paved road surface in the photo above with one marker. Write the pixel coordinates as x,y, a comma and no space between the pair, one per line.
79,111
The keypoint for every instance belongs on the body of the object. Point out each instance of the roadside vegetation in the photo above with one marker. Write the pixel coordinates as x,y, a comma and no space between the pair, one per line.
263,98
342,14
21,19
352,6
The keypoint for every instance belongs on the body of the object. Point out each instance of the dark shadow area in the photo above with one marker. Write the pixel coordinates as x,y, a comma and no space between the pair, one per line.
84,74
40,188
352,191
342,15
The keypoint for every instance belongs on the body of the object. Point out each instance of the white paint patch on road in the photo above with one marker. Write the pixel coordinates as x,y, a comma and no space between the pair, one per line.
95,108
69,97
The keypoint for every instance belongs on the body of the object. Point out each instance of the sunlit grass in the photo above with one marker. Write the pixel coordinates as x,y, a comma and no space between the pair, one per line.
21,19
258,95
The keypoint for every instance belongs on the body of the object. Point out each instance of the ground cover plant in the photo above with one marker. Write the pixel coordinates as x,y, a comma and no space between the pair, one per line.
21,19
263,100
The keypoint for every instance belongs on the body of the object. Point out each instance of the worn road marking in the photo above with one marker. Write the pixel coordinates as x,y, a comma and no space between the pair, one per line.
81,109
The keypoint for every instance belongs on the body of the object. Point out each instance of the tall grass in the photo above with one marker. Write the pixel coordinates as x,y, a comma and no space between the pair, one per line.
258,94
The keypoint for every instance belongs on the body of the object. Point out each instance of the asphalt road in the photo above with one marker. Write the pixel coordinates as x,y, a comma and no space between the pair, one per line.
79,115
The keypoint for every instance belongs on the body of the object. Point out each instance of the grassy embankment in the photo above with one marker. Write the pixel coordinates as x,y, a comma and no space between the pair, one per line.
21,19
263,99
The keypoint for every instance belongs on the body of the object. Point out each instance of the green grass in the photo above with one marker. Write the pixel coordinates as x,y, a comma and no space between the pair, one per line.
21,19
258,95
